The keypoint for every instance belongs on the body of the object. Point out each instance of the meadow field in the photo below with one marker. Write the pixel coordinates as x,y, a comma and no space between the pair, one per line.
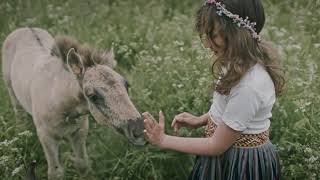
160,54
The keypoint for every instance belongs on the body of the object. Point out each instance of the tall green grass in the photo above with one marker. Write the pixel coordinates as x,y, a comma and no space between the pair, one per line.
161,56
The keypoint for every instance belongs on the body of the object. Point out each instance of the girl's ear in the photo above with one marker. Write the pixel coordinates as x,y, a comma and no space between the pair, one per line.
75,63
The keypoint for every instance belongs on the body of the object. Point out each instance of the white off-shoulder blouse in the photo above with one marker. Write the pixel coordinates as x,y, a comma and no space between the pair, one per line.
248,106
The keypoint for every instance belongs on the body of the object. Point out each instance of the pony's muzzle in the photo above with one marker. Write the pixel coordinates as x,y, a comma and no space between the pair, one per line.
134,131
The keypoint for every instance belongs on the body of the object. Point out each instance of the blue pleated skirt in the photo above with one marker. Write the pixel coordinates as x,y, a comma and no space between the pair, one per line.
253,163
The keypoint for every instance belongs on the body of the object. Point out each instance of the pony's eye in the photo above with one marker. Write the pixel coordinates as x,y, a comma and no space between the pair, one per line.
91,94
97,97
93,97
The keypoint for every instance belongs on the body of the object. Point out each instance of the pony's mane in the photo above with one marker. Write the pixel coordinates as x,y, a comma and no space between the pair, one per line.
89,55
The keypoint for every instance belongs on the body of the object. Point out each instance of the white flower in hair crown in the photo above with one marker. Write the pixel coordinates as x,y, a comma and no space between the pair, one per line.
245,23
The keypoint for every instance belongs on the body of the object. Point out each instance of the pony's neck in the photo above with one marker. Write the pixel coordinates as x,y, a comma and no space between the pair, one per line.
76,104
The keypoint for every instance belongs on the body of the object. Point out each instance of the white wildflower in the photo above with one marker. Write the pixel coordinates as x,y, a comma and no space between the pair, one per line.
316,45
294,47
312,159
155,47
308,150
179,43
4,143
8,143
4,160
17,170
25,133
180,85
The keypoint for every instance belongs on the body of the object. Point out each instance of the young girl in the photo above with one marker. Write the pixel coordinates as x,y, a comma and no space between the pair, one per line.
236,143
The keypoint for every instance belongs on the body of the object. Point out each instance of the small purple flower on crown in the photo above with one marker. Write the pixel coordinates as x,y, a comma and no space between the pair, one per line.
221,10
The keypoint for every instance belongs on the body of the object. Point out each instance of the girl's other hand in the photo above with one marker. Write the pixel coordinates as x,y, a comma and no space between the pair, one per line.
154,132
186,120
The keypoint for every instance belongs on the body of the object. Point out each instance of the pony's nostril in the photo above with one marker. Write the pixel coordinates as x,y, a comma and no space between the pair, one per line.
137,133
136,128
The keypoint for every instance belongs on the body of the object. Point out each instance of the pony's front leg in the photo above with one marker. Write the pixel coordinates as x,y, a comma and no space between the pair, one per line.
13,99
51,150
78,143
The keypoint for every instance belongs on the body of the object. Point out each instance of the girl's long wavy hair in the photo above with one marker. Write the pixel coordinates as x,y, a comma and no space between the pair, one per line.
241,51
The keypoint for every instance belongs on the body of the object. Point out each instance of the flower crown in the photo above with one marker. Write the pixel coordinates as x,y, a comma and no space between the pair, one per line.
221,10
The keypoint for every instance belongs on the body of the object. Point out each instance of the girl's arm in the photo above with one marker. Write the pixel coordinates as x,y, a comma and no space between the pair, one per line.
204,119
223,138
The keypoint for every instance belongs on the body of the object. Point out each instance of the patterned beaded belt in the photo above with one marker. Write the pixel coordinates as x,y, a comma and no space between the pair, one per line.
245,140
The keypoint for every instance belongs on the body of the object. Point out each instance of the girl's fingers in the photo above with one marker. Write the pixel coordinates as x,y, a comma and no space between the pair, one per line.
161,119
147,125
176,128
179,119
173,122
150,116
179,115
147,135
176,122
147,115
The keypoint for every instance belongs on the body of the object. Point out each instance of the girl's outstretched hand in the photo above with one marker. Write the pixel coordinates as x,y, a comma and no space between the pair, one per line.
186,120
154,132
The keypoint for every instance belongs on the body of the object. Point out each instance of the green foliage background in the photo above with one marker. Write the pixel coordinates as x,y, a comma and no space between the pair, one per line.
160,54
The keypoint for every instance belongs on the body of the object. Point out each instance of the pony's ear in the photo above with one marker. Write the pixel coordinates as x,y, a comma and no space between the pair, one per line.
107,58
75,63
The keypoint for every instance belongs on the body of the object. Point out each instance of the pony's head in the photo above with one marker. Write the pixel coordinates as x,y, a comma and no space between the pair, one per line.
105,90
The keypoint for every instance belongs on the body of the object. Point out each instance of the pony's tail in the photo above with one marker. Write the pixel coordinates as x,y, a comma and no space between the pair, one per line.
272,63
